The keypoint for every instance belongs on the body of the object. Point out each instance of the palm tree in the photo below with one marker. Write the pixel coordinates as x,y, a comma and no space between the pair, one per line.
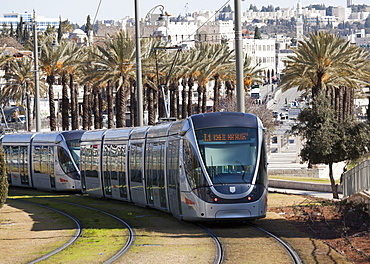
75,57
114,62
51,63
326,62
19,78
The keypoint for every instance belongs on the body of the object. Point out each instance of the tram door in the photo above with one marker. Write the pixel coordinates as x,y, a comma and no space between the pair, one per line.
43,167
136,172
155,174
107,169
114,171
173,175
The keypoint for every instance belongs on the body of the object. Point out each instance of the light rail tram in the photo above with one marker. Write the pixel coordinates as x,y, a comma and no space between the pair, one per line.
45,161
208,167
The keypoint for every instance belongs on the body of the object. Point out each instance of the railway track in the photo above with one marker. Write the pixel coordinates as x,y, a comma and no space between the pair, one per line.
64,246
246,242
160,238
52,204
131,237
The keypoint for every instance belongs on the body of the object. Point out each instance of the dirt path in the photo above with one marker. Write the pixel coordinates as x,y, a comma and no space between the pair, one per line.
22,236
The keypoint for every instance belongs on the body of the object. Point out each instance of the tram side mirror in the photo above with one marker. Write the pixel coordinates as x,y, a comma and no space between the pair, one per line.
182,133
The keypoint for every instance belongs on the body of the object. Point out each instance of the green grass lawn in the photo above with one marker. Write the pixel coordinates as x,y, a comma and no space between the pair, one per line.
302,179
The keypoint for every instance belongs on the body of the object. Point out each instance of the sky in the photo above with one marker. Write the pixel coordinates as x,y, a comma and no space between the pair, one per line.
76,11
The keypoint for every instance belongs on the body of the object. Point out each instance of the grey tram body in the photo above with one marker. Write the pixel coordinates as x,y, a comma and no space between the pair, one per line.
168,167
208,167
42,160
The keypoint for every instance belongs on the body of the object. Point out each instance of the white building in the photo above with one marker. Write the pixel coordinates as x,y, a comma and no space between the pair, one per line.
262,53
342,13
14,19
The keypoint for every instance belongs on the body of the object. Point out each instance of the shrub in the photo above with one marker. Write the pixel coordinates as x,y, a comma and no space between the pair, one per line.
3,180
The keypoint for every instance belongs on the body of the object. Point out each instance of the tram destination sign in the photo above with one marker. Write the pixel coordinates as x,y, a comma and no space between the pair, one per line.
214,137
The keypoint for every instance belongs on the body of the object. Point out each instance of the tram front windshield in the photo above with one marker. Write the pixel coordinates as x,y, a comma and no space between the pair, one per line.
229,153
74,148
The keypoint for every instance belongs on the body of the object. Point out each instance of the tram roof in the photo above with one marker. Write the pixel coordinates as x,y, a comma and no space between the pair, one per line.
224,119
117,134
17,138
94,135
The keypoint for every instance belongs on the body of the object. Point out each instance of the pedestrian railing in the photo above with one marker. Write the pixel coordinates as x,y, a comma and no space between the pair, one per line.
356,179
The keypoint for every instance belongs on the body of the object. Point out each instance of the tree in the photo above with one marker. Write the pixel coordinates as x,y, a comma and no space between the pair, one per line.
326,62
88,26
327,140
257,33
3,180
115,61
20,84
51,63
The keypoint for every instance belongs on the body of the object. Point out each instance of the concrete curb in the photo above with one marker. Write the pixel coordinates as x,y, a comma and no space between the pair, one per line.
320,187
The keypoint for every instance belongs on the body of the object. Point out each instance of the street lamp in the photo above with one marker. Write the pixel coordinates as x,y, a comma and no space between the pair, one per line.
36,68
139,82
240,101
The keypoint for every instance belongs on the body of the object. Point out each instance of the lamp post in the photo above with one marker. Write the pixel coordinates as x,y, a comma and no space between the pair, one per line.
36,69
240,105
139,84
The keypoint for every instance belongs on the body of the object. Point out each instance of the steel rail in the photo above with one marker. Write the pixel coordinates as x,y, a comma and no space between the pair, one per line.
219,249
76,235
131,236
292,253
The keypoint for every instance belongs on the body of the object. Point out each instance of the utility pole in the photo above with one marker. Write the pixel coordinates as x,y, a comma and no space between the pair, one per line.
139,82
36,71
240,105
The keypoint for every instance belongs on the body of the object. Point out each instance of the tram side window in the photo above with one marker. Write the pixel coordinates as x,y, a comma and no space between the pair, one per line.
114,162
173,163
15,159
95,160
83,162
160,164
88,157
23,165
6,151
66,162
37,159
135,163
44,160
192,167
262,170
91,160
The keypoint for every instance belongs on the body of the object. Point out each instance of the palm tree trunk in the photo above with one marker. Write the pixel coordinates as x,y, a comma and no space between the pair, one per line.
65,102
86,114
96,108
133,103
332,182
216,95
28,102
110,105
52,118
151,114
121,113
173,99
200,93
190,96
74,103
183,95
204,100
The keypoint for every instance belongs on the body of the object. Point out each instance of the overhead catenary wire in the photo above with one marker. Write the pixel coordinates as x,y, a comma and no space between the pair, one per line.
96,14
